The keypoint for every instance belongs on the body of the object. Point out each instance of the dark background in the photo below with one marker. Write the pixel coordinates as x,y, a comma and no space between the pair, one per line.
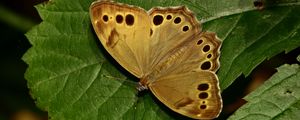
16,18
19,16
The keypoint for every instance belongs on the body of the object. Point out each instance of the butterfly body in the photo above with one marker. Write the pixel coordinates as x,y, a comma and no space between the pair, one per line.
167,50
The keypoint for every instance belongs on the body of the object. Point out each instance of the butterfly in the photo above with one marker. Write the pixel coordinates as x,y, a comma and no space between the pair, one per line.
167,50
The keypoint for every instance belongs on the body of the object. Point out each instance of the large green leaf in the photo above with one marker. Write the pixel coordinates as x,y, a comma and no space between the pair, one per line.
254,36
72,77
277,99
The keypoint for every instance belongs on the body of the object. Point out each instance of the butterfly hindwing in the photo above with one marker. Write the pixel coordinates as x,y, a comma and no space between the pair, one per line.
194,94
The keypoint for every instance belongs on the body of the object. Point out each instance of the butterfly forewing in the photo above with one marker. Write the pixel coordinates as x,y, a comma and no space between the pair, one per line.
124,31
198,51
170,28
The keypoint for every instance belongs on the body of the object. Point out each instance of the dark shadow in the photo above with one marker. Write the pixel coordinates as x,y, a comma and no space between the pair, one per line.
233,95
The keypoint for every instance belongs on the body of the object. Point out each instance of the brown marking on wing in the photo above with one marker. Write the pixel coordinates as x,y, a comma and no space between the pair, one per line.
194,111
181,10
112,38
183,102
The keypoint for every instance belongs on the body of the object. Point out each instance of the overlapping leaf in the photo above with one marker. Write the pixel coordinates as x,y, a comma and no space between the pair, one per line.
277,99
72,77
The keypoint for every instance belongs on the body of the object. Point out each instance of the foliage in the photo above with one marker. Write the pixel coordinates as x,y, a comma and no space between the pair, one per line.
72,77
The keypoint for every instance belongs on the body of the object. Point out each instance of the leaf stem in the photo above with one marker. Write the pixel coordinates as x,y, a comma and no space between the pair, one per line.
15,20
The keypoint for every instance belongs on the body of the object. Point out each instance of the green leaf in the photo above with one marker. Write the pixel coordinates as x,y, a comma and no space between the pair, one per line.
277,99
72,77
253,37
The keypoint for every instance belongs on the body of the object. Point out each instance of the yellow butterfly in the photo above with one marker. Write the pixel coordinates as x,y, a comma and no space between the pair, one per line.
167,50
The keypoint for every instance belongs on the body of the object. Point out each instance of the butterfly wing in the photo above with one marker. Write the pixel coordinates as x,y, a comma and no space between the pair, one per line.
124,31
170,27
175,31
194,94
186,81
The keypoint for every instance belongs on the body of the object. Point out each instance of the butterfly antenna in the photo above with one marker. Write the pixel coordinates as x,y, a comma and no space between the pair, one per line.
124,81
